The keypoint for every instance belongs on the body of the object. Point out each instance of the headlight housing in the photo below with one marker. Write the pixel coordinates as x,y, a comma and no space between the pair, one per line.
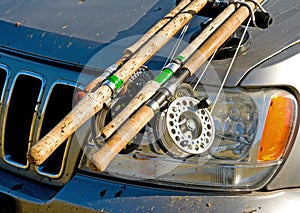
253,129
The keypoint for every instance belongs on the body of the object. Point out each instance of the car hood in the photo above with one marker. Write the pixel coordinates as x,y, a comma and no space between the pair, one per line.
74,31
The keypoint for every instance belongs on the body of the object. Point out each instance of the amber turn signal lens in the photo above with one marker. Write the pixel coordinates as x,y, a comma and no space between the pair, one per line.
277,128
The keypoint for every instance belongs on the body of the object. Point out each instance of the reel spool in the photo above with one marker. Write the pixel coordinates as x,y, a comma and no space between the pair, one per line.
185,129
102,118
107,114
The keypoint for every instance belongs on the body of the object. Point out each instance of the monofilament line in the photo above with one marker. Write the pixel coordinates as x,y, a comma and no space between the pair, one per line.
230,66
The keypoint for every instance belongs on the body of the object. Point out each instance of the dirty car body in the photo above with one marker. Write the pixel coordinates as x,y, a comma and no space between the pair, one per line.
51,50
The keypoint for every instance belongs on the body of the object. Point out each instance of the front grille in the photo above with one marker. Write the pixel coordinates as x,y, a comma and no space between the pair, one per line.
32,103
3,80
20,116
58,104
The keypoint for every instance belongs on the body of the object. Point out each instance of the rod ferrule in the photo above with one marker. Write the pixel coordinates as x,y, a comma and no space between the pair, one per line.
109,71
168,71
154,105
114,83
173,66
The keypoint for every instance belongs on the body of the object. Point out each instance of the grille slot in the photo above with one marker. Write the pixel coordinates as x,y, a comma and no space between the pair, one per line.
20,117
59,104
32,102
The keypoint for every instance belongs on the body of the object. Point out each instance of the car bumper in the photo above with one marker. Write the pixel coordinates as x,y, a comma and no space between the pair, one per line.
86,194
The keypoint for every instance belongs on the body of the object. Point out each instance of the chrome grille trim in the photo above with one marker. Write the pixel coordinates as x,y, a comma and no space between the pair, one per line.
44,77
63,163
7,157
3,67
39,169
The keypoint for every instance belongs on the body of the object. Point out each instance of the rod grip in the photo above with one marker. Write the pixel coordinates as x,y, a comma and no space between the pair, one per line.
124,135
89,105
144,95
159,25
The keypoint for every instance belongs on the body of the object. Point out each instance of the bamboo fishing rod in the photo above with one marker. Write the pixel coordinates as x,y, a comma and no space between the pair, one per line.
143,115
93,102
153,85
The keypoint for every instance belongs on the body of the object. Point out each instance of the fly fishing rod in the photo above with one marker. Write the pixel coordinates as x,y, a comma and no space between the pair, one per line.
144,114
93,102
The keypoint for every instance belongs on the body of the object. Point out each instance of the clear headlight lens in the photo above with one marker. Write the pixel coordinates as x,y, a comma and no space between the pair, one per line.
252,132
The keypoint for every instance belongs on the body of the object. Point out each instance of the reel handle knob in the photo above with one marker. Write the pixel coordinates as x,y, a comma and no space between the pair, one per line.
204,103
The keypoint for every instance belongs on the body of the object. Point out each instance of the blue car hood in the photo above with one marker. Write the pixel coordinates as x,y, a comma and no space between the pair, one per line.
73,31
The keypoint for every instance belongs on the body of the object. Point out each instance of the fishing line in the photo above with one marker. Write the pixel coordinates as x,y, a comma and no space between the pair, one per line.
231,64
177,44
205,69
252,11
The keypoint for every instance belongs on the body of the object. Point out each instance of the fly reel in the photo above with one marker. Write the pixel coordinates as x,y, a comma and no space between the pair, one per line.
102,118
185,128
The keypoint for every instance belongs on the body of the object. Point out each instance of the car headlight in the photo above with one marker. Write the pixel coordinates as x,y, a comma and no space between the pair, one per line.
252,131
